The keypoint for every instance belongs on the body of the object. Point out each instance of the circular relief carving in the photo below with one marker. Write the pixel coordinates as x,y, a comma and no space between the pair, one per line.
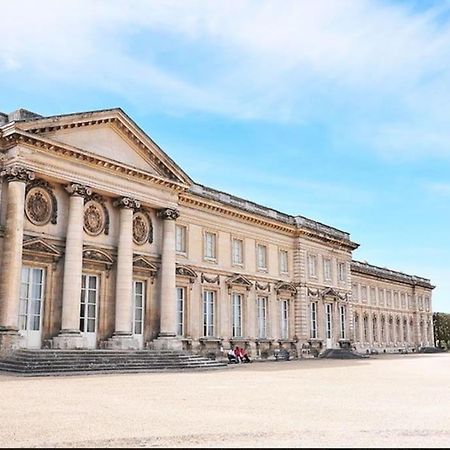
38,206
94,218
142,228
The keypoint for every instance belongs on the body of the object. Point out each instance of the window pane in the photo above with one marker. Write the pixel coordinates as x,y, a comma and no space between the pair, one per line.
91,326
37,276
91,311
36,290
34,323
91,296
23,322
138,288
92,282
35,307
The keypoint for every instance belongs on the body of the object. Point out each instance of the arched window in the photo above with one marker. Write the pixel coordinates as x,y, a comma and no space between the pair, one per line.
366,328
391,329
405,330
398,335
383,329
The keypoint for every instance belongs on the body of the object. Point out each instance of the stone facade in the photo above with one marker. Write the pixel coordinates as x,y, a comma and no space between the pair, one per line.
107,243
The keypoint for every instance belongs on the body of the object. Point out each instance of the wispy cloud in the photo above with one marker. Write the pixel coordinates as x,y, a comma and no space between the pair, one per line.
359,61
441,189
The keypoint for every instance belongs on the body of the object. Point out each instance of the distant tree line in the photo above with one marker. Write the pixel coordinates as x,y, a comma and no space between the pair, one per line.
441,325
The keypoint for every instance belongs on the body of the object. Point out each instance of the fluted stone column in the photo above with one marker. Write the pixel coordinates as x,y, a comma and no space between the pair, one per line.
123,334
11,268
167,336
70,336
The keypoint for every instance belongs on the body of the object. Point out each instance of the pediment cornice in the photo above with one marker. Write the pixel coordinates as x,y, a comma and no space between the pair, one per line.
16,136
118,119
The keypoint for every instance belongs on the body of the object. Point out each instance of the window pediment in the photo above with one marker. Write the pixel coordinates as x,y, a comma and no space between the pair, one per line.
239,280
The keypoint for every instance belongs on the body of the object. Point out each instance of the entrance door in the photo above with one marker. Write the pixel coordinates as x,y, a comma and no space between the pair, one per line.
88,309
329,324
138,311
30,306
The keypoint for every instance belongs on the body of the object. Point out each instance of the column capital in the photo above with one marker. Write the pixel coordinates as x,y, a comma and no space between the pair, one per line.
127,203
168,214
78,190
17,173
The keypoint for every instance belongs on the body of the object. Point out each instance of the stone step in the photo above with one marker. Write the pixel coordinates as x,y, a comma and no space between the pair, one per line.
78,361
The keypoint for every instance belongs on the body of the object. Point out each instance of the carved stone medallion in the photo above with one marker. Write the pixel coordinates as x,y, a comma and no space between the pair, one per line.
38,206
94,218
142,228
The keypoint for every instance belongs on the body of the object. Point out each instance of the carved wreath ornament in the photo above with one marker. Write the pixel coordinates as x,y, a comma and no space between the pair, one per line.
142,228
94,218
40,203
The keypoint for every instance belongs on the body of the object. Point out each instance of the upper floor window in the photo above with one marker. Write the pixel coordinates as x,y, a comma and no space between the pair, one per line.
355,292
238,251
373,295
284,261
389,298
341,271
364,293
210,250
403,300
312,265
381,296
327,269
395,299
180,239
261,256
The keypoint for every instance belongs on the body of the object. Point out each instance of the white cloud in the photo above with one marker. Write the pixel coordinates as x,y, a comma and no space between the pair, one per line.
291,61
441,189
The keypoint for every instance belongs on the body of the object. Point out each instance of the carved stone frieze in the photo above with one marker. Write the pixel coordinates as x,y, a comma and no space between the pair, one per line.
168,214
210,279
41,206
80,190
142,228
17,173
262,286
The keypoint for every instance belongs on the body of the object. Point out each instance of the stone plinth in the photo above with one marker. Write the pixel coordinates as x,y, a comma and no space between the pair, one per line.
10,341
69,341
167,343
122,342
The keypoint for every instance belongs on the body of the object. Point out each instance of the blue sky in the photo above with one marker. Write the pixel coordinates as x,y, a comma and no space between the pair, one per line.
336,110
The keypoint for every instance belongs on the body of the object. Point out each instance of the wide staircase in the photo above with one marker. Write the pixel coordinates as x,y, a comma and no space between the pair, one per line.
69,362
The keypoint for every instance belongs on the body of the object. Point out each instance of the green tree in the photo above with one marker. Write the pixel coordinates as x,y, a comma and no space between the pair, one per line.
441,325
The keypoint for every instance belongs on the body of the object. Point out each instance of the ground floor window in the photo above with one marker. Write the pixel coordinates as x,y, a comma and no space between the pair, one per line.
328,320
139,304
375,328
209,309
262,317
88,304
31,298
342,321
284,328
366,328
383,329
236,300
181,306
314,320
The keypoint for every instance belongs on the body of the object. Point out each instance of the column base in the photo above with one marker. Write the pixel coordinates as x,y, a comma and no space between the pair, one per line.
122,342
10,341
167,343
69,340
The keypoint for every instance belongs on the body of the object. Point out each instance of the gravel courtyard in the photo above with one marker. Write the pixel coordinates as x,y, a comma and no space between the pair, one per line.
389,401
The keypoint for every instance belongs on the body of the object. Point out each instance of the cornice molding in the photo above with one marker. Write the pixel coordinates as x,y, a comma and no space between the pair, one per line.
49,146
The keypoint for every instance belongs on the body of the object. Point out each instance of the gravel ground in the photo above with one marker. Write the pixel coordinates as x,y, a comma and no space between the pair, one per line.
384,401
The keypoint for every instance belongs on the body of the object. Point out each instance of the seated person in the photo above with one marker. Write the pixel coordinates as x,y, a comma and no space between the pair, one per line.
232,357
244,356
238,353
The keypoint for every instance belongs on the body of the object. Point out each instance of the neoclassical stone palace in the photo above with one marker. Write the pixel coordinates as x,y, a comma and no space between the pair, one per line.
107,243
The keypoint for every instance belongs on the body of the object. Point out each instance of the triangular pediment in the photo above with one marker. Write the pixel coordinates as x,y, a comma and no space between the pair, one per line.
239,280
109,134
37,245
143,263
330,292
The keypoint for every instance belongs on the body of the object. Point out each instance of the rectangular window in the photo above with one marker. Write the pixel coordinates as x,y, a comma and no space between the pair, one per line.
403,297
328,319
209,308
139,306
180,239
261,254
355,295
327,269
31,298
262,317
381,296
237,314
181,310
284,261
342,320
341,271
238,251
210,246
389,298
314,320
312,266
364,293
284,329
396,300
373,296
